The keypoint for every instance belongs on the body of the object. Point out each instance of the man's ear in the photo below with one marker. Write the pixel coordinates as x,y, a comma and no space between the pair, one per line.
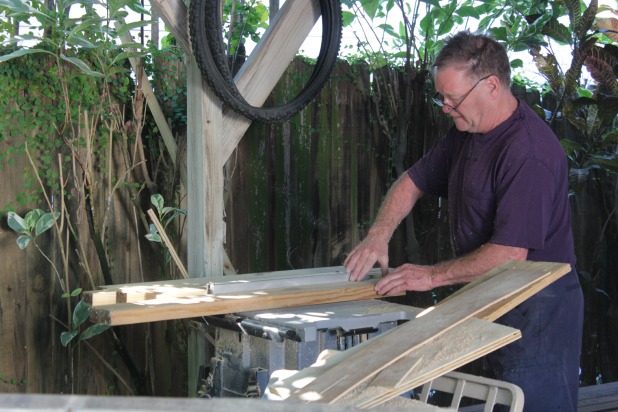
495,86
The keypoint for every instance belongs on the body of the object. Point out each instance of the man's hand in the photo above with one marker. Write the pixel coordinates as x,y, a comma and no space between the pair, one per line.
406,277
362,258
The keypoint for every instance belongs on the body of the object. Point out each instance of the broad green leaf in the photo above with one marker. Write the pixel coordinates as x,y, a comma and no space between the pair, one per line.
80,314
128,55
153,237
158,202
20,7
17,223
22,52
32,217
66,337
16,6
23,241
94,330
517,63
45,222
499,33
80,41
348,17
584,92
370,7
133,25
558,31
468,11
136,7
82,65
76,292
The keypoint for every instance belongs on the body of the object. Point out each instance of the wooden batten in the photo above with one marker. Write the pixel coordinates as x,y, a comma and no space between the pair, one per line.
186,298
180,307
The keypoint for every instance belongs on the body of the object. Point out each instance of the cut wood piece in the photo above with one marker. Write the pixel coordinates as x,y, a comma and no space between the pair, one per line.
457,347
202,305
99,297
506,282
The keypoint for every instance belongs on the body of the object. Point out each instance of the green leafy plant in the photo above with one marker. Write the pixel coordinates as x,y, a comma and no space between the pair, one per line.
35,223
81,313
70,106
166,214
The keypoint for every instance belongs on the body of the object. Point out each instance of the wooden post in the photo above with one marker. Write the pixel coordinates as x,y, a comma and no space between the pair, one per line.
212,137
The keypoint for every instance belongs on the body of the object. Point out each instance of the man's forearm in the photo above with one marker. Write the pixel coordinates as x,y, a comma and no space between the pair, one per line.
396,206
469,267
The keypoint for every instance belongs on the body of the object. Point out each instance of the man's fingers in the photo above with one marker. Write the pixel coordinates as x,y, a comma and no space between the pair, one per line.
361,268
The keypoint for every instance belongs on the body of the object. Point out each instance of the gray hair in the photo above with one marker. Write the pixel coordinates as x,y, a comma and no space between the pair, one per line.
479,55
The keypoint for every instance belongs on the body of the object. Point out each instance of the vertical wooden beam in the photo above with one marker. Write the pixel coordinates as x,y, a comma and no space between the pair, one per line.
268,61
205,176
211,137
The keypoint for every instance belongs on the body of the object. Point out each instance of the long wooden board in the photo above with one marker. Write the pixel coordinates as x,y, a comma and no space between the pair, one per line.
499,287
203,304
128,293
457,347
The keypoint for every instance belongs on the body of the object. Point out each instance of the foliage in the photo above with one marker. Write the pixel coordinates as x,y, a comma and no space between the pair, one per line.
35,223
68,100
57,34
81,313
243,21
167,214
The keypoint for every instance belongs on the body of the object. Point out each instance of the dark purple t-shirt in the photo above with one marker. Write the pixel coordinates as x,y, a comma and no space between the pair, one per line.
508,187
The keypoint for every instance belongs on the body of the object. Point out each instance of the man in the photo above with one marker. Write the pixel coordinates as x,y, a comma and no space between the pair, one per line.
506,178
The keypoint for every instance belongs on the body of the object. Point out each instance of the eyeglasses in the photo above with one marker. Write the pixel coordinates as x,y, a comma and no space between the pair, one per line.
447,107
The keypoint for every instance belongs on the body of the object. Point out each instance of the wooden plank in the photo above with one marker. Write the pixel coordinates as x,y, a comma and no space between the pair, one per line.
598,398
241,287
493,312
268,61
202,305
459,346
107,295
505,283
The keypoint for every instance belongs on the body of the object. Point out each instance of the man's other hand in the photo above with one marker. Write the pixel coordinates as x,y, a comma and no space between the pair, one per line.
406,277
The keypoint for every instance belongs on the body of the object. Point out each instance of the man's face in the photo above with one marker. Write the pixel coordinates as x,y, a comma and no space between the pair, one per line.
462,98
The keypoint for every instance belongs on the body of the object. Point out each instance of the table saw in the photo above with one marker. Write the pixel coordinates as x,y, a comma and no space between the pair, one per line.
249,346
382,349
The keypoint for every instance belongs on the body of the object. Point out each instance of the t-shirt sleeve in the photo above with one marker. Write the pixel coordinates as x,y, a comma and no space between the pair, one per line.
431,172
524,205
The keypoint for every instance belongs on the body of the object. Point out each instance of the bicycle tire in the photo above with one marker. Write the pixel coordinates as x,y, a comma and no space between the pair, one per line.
205,28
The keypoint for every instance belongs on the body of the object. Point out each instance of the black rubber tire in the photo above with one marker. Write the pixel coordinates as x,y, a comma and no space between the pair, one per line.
209,51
